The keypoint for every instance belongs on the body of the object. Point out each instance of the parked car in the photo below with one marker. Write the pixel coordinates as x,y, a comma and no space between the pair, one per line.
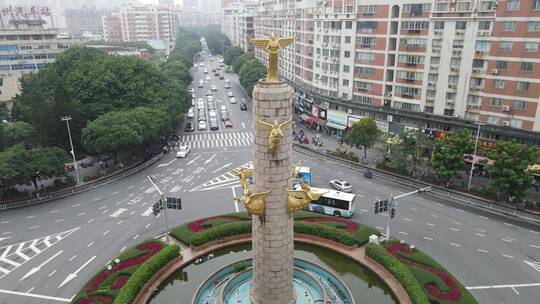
190,113
214,124
182,151
189,127
208,79
202,64
211,106
224,115
209,93
222,108
233,100
212,114
216,73
202,125
230,94
228,123
243,107
341,185
226,85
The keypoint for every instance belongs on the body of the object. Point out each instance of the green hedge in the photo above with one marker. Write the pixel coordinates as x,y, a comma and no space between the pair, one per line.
363,232
144,273
326,232
399,271
215,233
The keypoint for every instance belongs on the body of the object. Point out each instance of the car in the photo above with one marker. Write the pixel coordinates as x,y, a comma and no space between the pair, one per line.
243,107
230,94
226,86
191,90
206,71
201,116
214,88
211,106
202,125
228,123
182,151
213,70
202,64
243,100
212,114
200,105
341,185
189,127
216,74
233,100
209,93
195,65
209,98
214,124
208,79
193,102
190,113
211,58
222,108
201,85
224,115
221,76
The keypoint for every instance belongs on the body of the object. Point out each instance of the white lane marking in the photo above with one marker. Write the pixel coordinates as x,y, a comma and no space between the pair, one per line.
7,232
72,258
76,205
210,159
457,223
480,235
32,295
105,211
414,209
30,290
481,230
243,125
378,227
73,275
58,221
53,272
90,220
81,214
515,290
115,193
135,237
193,160
502,286
90,245
534,246
435,216
484,217
54,211
119,222
105,233
147,212
508,256
123,248
454,244
454,229
5,222
147,225
508,224
430,224
222,167
481,250
234,199
166,164
118,212
508,241
96,199
402,232
131,187
421,198
364,210
461,210
428,238
535,232
439,204
36,269
31,216
102,207
34,227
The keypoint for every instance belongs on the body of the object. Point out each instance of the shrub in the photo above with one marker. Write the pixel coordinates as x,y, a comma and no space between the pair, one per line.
215,233
363,232
182,233
144,273
326,232
399,271
239,266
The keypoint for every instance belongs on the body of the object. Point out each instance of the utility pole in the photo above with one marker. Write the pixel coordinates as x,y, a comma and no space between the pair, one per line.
163,201
390,206
67,119
474,154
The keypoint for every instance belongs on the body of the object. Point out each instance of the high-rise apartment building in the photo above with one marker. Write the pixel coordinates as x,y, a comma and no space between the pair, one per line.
140,22
439,65
192,18
237,23
79,21
25,47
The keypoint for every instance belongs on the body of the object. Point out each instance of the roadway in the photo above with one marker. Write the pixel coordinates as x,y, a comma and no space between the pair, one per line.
48,251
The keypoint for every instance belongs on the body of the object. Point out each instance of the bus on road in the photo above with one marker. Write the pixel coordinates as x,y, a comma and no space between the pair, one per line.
333,203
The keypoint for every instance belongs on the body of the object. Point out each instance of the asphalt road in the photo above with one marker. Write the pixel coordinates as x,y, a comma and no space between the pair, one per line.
48,251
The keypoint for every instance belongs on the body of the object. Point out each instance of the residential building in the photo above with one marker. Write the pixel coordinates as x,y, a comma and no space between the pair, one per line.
122,51
25,46
237,24
140,22
435,65
84,20
192,18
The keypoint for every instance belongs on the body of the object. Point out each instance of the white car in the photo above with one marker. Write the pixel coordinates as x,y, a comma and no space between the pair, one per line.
195,65
206,71
223,108
208,79
182,151
212,114
190,113
233,100
230,94
202,125
191,90
202,64
200,105
214,88
341,185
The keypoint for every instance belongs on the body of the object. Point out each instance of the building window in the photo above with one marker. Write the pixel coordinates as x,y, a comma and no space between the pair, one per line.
365,57
512,5
439,25
492,120
522,86
533,26
347,54
519,105
428,109
499,83
501,65
345,82
482,46
527,66
536,5
435,60
455,62
364,72
495,102
458,44
461,25
530,46
463,6
347,39
363,86
362,99
448,112
484,25
368,9
509,26
516,123
442,7
348,25
505,45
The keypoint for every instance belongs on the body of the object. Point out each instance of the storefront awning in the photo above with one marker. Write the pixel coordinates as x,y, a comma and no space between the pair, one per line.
311,120
335,126
304,117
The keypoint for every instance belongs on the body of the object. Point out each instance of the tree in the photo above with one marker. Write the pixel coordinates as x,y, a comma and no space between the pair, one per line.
45,162
363,134
232,54
18,132
4,113
237,65
251,71
216,41
509,169
177,70
447,159
13,167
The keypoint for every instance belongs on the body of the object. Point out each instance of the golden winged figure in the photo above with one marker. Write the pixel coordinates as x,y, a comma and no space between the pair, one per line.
243,174
254,202
296,169
276,133
272,46
299,199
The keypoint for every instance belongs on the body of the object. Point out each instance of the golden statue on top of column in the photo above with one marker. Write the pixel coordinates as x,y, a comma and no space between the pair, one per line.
272,46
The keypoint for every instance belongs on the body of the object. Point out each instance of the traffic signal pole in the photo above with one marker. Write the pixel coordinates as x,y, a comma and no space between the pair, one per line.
163,201
392,205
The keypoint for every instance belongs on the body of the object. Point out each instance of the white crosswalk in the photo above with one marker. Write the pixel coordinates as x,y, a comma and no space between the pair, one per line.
217,139
226,180
13,256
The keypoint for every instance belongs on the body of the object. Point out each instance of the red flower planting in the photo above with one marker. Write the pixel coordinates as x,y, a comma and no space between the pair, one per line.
151,247
119,282
454,294
197,226
351,226
96,299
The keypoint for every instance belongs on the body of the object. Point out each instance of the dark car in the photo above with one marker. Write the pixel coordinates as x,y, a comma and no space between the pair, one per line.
221,77
216,73
189,127
243,107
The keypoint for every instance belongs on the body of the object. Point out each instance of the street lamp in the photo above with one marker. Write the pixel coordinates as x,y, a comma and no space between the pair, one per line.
474,154
67,119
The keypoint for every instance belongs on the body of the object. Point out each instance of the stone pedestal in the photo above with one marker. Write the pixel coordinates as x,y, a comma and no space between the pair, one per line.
273,244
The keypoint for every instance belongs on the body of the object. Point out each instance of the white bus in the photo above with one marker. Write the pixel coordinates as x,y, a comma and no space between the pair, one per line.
333,202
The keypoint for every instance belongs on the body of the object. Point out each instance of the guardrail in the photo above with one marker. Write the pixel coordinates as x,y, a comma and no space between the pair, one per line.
79,189
437,191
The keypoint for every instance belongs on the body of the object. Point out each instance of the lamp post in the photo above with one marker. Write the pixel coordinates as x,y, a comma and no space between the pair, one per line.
67,119
474,153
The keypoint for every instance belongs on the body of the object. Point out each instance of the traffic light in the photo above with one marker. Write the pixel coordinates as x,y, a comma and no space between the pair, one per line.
377,204
392,212
385,205
174,203
155,209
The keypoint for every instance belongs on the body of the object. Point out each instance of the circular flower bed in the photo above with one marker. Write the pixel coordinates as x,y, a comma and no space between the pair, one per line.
351,226
119,282
198,225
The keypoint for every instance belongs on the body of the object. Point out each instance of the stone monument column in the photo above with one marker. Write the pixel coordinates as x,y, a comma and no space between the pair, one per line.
273,243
